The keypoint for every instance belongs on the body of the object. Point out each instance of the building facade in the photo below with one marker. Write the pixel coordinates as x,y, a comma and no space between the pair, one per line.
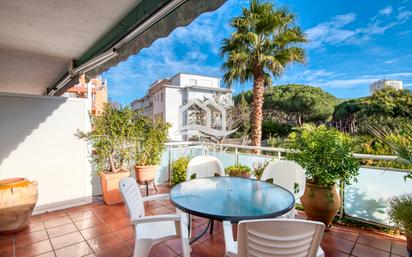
384,83
99,94
166,96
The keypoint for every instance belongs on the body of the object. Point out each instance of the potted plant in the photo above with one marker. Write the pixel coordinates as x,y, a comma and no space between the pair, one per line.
150,138
238,170
179,168
326,156
259,167
112,132
400,212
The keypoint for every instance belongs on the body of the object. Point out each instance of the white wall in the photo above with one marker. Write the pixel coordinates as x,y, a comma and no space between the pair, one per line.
183,80
200,94
173,102
37,142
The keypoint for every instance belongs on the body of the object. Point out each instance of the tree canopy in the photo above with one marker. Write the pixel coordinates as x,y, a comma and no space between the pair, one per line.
296,104
385,107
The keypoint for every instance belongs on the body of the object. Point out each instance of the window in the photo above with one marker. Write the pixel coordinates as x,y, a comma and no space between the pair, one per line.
192,82
161,97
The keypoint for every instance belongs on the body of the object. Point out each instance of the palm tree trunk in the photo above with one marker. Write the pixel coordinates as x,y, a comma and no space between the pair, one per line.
257,114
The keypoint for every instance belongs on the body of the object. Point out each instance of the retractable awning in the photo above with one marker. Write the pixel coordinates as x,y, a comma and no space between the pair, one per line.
46,44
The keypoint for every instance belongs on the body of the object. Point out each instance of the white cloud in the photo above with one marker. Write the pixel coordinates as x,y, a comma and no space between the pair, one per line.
346,83
390,61
404,15
311,75
331,32
336,31
386,11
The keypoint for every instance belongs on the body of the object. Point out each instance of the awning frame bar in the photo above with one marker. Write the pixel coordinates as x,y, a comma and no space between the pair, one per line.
105,56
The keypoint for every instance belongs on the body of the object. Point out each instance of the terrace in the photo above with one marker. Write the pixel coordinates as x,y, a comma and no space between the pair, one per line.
40,58
96,229
100,230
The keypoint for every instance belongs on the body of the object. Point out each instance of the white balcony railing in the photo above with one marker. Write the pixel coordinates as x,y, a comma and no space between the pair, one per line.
365,200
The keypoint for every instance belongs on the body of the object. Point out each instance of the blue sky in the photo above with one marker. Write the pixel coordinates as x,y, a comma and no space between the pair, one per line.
351,44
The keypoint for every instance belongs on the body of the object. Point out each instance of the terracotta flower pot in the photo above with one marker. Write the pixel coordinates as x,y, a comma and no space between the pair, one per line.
110,186
409,244
321,203
18,196
145,173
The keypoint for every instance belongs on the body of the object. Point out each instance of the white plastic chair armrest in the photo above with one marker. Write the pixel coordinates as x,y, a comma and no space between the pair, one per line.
230,243
157,218
156,197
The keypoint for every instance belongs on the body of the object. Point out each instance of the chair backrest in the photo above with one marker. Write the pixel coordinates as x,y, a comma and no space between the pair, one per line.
132,197
279,237
286,174
204,166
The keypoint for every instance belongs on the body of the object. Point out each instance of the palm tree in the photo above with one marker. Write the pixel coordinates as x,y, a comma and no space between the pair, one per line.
265,40
399,139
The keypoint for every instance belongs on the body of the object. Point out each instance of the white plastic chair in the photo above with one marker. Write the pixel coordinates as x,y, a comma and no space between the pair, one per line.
151,230
275,237
286,174
204,167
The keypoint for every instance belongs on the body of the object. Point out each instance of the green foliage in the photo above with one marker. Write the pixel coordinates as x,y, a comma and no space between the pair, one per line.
400,211
345,114
298,104
385,107
238,170
274,128
277,142
325,154
149,141
389,102
258,168
179,168
110,138
399,138
366,144
240,115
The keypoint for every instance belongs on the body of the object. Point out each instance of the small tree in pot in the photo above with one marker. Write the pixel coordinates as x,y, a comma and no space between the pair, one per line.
150,138
326,156
110,138
400,212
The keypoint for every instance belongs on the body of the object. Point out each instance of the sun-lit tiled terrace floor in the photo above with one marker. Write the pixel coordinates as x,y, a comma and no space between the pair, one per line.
100,230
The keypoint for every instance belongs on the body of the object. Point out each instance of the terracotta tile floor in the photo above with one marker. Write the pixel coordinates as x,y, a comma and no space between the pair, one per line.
100,230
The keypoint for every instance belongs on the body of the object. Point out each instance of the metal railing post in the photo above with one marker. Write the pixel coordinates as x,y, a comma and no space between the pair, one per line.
236,155
203,149
170,162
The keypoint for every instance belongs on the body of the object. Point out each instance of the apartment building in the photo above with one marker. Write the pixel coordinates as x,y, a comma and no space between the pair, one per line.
164,98
99,94
384,83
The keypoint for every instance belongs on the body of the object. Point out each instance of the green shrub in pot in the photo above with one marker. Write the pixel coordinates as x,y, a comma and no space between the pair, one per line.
326,155
238,170
178,169
400,212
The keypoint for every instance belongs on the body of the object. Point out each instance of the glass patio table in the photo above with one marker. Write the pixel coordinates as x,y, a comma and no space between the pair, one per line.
231,199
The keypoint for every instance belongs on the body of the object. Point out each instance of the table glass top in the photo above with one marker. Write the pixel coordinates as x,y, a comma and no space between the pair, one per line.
231,198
